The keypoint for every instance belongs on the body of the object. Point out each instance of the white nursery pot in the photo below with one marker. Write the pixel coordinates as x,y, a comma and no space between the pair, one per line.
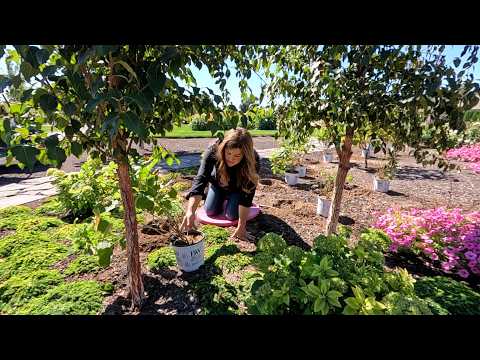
291,178
302,171
323,206
381,185
190,258
328,157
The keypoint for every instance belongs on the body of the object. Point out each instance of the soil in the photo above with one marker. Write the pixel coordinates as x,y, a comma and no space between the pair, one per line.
291,211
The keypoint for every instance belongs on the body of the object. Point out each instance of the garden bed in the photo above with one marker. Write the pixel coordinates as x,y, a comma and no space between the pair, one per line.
218,286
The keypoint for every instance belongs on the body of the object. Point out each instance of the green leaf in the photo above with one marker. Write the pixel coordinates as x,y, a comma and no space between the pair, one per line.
128,68
169,161
134,124
217,99
348,310
102,225
27,70
23,132
57,154
48,103
352,302
317,306
104,251
76,148
69,109
156,79
144,203
456,61
49,70
25,154
42,56
92,104
141,101
27,94
4,82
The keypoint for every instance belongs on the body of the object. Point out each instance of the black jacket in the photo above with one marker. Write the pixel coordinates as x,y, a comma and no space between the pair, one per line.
207,173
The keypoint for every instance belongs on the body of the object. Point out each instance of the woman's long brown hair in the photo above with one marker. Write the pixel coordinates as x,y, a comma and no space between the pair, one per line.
239,138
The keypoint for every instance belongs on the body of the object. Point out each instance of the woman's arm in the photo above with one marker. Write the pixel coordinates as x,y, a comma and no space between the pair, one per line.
200,181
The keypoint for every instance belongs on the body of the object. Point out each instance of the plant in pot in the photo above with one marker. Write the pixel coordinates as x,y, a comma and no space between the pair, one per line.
324,198
299,153
381,182
189,246
283,164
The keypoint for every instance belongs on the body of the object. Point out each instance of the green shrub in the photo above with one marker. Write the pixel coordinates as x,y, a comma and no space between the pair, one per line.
199,123
73,298
82,264
163,257
401,304
267,124
214,234
18,290
454,296
331,278
94,187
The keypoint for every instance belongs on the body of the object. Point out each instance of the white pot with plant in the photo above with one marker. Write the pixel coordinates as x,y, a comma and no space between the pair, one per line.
381,181
189,246
282,163
327,156
324,202
291,176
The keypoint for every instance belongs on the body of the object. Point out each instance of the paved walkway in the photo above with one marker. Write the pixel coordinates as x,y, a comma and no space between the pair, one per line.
29,190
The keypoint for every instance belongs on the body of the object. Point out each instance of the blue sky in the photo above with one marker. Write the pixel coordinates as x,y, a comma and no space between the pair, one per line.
205,80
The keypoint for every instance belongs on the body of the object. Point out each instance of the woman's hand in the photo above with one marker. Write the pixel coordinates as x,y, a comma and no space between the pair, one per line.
242,234
188,221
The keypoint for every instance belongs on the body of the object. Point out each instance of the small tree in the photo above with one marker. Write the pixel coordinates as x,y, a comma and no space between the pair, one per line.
105,99
380,90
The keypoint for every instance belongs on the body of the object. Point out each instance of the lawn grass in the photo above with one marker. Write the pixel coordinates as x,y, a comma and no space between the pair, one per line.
185,132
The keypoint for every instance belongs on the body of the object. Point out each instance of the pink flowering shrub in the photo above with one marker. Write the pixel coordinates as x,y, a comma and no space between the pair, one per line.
467,153
446,239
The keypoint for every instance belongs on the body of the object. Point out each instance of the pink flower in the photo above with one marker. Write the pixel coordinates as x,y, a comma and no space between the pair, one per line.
463,273
470,255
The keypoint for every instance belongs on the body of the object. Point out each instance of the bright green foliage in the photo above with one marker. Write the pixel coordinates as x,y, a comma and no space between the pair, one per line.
14,210
452,295
19,289
214,235
232,263
401,304
81,265
50,207
217,296
74,298
98,238
332,278
94,187
163,257
30,258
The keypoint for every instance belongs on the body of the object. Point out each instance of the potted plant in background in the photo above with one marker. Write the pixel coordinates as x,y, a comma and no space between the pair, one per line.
324,198
381,181
283,164
299,153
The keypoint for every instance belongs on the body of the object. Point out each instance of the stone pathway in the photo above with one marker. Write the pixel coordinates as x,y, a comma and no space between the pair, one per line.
29,190
26,191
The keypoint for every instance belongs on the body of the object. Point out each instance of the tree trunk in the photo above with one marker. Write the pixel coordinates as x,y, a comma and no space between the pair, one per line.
134,271
344,156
